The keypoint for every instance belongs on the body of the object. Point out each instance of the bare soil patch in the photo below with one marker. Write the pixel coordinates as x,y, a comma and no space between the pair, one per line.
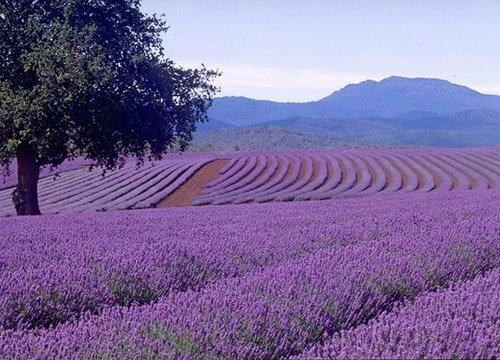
194,186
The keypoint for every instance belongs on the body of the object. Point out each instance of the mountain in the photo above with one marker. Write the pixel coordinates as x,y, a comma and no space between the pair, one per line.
396,95
213,125
463,129
395,111
241,111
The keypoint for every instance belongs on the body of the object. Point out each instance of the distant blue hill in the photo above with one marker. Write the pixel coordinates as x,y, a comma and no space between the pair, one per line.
213,125
242,111
395,96
396,110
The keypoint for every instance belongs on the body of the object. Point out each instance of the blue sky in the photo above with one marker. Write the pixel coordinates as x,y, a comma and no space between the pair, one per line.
304,50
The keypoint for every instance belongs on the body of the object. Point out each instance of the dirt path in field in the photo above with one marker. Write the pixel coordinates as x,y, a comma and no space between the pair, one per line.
195,185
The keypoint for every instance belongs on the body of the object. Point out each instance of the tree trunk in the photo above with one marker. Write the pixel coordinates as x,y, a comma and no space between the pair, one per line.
25,196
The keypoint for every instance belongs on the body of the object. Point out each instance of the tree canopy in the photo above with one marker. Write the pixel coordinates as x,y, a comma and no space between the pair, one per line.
90,78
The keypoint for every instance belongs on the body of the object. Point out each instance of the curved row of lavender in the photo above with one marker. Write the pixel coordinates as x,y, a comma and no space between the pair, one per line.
10,181
78,190
264,176
458,323
315,175
254,281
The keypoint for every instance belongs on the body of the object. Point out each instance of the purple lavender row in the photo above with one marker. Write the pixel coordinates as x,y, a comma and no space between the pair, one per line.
394,178
120,189
49,186
482,166
334,177
285,308
422,170
380,175
318,178
426,181
312,177
475,179
229,184
437,169
348,178
160,191
290,178
491,155
305,176
227,166
231,168
492,166
457,323
288,171
243,166
52,201
356,177
274,174
493,162
128,190
127,193
232,181
459,179
54,268
270,166
79,196
148,194
441,179
263,170
482,172
409,178
11,180
269,186
373,178
482,176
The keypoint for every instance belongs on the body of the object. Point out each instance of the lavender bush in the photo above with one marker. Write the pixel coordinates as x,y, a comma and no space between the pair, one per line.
459,323
253,281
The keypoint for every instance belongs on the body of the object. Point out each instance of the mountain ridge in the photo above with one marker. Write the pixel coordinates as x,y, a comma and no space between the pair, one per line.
393,108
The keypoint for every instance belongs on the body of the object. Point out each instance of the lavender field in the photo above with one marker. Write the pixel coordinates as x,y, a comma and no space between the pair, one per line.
262,176
77,189
409,274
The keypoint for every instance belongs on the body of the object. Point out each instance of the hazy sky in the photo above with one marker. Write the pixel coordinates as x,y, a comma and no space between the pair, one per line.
291,50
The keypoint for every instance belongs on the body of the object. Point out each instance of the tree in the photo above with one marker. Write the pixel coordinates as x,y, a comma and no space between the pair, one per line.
89,78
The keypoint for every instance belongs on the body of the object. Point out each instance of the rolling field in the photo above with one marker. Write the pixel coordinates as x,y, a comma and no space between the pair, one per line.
78,190
262,176
259,281
400,260
319,175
